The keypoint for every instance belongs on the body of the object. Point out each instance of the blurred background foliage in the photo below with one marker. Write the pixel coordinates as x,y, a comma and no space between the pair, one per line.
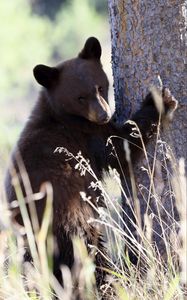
40,31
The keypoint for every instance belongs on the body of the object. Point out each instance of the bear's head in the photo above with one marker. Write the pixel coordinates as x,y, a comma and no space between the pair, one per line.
78,86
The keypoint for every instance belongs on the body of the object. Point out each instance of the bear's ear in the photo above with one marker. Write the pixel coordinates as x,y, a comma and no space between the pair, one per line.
91,50
46,76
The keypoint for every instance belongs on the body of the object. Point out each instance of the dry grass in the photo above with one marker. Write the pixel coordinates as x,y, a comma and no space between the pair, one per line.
156,276
158,279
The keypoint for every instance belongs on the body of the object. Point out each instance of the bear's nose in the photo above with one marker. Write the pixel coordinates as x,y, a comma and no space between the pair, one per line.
104,117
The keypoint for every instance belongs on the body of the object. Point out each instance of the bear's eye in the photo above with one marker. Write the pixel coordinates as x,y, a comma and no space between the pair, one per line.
81,99
100,89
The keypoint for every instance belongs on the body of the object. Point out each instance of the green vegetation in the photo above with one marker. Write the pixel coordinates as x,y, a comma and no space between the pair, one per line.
24,39
75,24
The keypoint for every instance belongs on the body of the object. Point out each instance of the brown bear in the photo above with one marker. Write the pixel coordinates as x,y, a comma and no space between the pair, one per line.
72,112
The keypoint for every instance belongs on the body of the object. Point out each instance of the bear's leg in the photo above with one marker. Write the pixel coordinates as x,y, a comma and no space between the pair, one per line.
63,254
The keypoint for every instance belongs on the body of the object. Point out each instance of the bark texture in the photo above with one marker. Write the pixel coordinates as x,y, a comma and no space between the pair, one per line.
149,40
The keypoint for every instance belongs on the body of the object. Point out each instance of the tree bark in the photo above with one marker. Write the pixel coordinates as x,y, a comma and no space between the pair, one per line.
149,41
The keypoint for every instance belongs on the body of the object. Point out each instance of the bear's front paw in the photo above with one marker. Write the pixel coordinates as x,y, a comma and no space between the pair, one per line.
164,101
170,103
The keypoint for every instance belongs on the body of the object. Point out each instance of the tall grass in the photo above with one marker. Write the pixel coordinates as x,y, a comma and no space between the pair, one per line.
157,275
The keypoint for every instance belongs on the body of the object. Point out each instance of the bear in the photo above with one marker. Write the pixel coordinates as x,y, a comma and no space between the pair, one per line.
72,114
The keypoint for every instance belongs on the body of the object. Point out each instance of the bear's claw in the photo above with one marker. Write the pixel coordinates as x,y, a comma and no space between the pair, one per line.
169,99
170,102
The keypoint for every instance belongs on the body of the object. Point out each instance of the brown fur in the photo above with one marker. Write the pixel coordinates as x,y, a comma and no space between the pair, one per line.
72,112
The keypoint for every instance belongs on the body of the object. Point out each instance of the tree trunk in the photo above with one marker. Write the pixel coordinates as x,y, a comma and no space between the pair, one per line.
148,42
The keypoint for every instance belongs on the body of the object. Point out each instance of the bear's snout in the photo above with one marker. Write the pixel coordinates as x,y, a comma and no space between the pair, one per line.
99,111
104,117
